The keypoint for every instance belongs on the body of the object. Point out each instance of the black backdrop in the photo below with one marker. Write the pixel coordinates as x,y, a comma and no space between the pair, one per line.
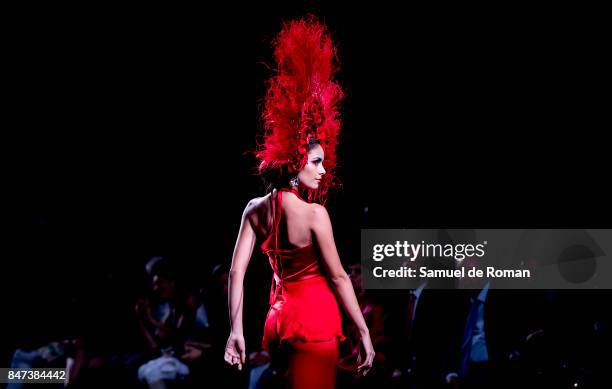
127,135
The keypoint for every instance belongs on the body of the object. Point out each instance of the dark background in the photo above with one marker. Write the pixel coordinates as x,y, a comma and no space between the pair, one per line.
127,135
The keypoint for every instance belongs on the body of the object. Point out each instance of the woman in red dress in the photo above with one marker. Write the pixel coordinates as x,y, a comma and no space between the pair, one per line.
303,327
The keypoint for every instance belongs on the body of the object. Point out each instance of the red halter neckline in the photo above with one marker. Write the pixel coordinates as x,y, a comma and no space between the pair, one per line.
294,191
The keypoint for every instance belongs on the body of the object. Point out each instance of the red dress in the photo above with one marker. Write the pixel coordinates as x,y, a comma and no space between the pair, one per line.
304,325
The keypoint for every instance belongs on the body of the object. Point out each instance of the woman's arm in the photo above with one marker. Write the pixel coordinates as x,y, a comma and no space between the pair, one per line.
323,232
144,318
235,349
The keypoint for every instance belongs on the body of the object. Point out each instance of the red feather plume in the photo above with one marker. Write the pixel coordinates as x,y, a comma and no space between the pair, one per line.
302,101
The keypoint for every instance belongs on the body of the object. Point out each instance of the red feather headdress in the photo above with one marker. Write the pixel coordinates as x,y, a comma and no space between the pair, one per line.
302,102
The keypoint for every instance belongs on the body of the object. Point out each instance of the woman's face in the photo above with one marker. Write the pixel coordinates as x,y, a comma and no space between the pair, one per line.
355,276
311,174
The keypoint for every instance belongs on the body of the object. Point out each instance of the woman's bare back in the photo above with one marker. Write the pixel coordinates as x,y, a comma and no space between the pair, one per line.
295,225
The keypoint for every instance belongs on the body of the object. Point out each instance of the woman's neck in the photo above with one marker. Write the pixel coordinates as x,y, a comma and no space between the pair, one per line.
292,189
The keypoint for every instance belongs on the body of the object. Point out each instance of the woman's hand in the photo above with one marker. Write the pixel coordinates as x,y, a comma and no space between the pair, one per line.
365,359
235,351
258,358
191,353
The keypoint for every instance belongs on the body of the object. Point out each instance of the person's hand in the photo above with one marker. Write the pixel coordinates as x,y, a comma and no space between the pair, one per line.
258,358
191,353
199,345
235,351
365,359
396,375
452,380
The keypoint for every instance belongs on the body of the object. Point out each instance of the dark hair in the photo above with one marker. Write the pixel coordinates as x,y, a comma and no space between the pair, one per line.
219,269
163,267
312,142
279,176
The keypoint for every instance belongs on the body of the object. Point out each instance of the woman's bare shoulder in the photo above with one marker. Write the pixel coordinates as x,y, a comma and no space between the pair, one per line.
318,214
317,210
